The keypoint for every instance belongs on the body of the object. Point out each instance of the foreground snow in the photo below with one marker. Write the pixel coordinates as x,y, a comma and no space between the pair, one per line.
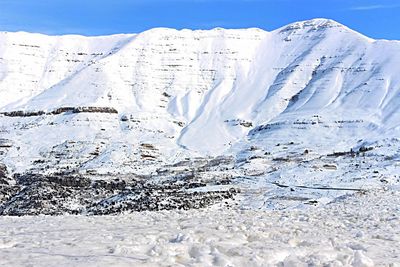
359,230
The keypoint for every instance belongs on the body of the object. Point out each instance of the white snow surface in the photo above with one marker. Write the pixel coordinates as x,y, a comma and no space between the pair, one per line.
280,102
208,81
362,230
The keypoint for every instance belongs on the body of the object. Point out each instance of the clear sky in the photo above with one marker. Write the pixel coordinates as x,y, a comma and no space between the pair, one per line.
374,18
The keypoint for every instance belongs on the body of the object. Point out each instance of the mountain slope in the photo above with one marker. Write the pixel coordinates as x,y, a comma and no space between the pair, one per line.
135,103
198,76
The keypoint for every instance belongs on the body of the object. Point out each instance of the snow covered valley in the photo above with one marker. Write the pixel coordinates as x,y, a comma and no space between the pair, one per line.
199,148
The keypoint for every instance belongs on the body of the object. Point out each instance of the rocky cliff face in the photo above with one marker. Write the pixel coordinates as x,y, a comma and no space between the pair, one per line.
123,105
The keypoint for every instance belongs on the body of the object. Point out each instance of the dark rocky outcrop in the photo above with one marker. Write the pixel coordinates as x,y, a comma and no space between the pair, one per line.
21,113
3,173
61,110
7,187
95,110
73,193
4,143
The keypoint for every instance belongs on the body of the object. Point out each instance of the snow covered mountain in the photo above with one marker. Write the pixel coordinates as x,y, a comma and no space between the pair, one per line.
133,103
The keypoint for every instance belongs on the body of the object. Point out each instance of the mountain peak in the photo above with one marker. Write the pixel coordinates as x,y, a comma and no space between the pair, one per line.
321,22
314,24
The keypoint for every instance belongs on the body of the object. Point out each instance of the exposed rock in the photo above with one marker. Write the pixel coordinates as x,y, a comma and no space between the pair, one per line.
3,171
95,110
73,193
21,113
4,143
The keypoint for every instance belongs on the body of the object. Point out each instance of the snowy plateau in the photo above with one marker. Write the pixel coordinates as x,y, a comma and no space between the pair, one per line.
200,148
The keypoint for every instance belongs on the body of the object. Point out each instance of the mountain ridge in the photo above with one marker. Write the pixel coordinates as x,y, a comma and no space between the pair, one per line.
315,20
195,77
170,119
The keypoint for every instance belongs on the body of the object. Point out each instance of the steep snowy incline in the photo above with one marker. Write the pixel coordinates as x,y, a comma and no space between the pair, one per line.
195,92
33,63
182,64
309,68
157,81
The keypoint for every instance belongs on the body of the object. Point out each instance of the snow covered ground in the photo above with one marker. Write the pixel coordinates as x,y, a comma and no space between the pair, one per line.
287,140
358,230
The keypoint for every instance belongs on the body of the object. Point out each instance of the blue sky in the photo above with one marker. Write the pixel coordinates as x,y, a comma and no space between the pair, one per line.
374,18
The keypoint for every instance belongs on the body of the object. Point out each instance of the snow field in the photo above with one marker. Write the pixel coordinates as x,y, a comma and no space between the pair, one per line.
361,230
